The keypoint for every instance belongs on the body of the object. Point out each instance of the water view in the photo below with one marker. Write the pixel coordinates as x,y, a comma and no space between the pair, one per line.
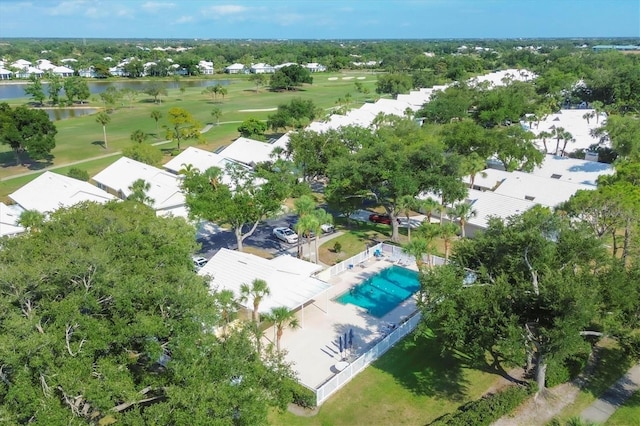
16,90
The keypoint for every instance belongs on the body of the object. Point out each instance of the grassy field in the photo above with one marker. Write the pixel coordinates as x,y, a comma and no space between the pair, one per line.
628,414
412,384
81,138
356,237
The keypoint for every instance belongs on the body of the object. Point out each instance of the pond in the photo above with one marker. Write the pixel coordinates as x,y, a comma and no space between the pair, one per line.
56,114
16,90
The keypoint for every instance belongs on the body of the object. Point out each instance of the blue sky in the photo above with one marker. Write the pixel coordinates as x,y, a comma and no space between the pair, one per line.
319,19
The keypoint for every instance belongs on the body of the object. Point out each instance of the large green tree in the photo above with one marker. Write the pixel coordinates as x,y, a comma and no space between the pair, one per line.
102,320
242,203
27,130
524,291
290,77
35,89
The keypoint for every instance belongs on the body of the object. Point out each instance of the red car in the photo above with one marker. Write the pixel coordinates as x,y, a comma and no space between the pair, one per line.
381,218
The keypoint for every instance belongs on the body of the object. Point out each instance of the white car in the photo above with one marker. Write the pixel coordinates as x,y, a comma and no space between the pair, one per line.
286,235
199,262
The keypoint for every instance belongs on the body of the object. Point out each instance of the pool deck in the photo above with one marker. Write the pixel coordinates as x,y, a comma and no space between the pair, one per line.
313,349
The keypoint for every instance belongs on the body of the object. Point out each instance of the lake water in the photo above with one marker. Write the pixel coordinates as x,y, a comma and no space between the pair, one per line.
14,90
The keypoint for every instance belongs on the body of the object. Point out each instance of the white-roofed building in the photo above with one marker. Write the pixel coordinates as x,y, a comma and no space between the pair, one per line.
542,190
21,63
165,190
206,67
489,204
197,158
44,65
286,64
27,72
573,122
572,170
235,69
315,67
249,151
51,191
5,74
262,68
487,180
290,280
62,71
9,216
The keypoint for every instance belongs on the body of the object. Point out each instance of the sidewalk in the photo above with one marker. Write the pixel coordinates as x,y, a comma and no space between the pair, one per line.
602,408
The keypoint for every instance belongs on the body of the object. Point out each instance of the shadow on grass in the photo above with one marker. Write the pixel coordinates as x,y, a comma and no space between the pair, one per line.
417,364
8,159
612,364
99,143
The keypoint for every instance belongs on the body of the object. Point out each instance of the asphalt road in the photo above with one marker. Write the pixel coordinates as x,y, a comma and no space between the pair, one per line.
262,238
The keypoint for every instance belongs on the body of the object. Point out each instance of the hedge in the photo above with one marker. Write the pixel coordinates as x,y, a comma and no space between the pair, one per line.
487,409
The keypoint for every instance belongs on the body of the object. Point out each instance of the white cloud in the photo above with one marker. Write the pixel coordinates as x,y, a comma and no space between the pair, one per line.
66,8
184,20
225,10
155,7
96,12
289,18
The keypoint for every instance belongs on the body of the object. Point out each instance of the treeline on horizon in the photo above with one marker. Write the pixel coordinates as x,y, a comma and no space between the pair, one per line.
390,55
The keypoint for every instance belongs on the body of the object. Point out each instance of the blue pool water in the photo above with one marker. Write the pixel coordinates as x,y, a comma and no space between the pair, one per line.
384,291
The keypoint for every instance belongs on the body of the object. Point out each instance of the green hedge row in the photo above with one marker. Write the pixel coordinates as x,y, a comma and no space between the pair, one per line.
301,395
486,410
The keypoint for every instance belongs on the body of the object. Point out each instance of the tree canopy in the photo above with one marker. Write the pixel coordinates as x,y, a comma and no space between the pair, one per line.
241,203
27,130
103,319
290,77
523,291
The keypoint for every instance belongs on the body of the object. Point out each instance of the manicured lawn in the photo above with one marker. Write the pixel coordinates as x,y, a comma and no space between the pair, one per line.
613,364
410,385
628,414
82,138
356,237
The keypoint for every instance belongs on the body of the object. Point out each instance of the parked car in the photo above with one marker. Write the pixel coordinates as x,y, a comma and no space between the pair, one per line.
381,218
327,228
286,235
199,262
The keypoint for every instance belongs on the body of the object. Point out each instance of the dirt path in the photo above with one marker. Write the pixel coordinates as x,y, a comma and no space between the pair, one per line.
539,411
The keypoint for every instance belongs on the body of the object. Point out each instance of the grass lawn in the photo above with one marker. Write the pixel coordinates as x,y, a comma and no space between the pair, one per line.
81,138
612,365
356,237
628,414
410,385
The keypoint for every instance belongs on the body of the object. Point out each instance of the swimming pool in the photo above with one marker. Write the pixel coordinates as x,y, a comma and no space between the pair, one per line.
381,293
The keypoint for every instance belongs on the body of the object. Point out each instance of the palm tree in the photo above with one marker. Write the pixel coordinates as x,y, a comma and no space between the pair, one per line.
281,317
558,133
417,248
463,212
211,91
588,115
544,135
223,91
598,106
156,116
139,136
216,113
472,165
31,220
428,205
447,232
304,227
256,291
139,190
406,204
566,137
225,303
103,118
303,206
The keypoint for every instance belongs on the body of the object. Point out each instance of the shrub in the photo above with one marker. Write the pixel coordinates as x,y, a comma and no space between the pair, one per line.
79,174
337,247
301,395
486,410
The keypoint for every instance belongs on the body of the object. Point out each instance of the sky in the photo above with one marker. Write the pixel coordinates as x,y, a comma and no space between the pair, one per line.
319,19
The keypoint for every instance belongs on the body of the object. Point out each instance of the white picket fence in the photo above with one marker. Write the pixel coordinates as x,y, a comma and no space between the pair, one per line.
332,385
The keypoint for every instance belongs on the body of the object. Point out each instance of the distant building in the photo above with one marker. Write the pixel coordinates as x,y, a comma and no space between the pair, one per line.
624,47
235,69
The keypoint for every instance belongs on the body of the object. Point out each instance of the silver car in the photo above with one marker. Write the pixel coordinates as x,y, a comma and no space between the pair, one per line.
285,234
